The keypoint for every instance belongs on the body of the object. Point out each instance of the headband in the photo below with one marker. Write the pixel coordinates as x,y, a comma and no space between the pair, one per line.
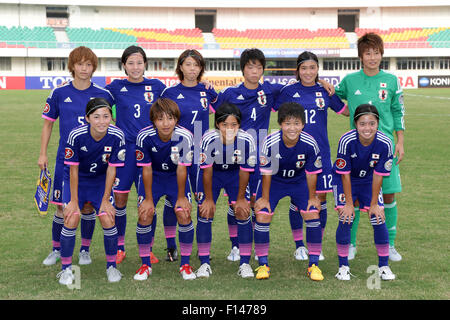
98,107
368,112
307,59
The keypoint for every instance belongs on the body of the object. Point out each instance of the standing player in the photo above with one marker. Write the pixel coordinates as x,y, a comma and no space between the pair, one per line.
193,99
289,161
363,159
228,156
133,97
316,102
93,151
164,150
381,89
68,103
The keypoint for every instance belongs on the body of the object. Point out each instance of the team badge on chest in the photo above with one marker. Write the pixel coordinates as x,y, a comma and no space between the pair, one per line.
262,99
148,96
320,103
383,94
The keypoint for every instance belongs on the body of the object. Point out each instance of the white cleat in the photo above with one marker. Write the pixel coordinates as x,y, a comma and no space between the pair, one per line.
246,271
321,257
301,253
84,258
187,273
52,258
394,255
234,254
351,252
386,273
113,274
143,273
204,271
343,273
66,276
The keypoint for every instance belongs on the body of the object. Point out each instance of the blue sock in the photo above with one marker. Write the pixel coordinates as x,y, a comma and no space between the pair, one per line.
343,235
170,225
245,238
186,238
57,226
314,240
144,239
262,241
121,225
232,228
87,230
381,239
67,246
204,237
296,221
110,244
153,231
323,214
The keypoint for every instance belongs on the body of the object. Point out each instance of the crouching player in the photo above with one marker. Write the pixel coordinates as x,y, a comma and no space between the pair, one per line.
364,157
228,156
93,151
164,150
289,161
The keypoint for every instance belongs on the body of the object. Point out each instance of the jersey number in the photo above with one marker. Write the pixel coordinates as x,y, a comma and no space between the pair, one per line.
93,167
137,107
309,116
288,173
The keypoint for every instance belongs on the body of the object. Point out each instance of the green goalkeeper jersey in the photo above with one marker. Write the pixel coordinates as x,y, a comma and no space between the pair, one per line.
382,90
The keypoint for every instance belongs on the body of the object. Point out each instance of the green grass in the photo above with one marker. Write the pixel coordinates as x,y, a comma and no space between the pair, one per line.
423,237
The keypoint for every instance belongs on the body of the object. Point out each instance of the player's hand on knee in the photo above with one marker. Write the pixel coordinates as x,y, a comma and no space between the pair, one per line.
242,208
261,204
71,214
146,209
346,213
207,209
378,212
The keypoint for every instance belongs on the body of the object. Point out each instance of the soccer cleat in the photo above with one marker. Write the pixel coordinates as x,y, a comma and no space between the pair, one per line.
204,271
234,254
153,258
120,256
386,273
314,273
321,256
351,252
113,274
394,255
262,272
66,276
245,271
343,273
187,273
172,254
301,253
143,273
84,257
52,258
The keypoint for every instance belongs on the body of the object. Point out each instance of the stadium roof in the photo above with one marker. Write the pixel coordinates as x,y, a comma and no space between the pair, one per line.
236,3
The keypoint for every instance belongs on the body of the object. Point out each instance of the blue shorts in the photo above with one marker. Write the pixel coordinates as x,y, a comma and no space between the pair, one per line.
89,191
254,181
195,177
129,173
360,192
325,178
164,184
298,192
58,180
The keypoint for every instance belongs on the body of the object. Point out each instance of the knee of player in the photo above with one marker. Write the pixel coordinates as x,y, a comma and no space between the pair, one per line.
121,199
310,215
72,221
183,217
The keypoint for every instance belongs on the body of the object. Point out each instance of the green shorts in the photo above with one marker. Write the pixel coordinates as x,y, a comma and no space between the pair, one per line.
392,183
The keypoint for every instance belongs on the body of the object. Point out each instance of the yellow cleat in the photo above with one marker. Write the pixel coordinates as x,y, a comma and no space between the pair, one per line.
263,272
314,273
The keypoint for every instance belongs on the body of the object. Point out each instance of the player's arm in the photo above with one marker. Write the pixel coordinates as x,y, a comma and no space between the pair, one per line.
147,207
208,207
242,206
313,201
375,209
72,207
45,138
106,207
398,115
263,202
348,211
327,86
182,203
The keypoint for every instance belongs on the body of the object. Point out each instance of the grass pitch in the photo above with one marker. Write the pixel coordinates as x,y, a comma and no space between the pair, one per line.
423,238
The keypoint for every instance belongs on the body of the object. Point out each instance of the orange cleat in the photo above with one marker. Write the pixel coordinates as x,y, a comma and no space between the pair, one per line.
120,256
153,258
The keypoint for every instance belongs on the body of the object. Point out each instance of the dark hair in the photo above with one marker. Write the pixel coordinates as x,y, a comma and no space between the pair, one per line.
370,40
364,109
305,56
225,110
164,105
97,103
291,110
251,55
196,56
132,50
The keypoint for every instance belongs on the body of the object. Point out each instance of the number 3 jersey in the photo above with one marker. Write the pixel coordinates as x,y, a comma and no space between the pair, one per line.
361,162
290,164
133,102
164,157
94,157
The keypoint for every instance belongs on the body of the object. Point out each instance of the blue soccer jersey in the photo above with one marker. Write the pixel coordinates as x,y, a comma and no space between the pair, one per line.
69,105
255,104
290,164
94,157
316,101
241,154
193,103
361,162
133,102
164,157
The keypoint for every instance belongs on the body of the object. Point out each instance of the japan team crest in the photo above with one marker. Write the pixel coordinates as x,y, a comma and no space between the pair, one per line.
383,94
148,96
204,102
262,99
320,102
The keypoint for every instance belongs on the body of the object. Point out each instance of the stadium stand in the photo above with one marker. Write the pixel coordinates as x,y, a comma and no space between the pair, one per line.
37,37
